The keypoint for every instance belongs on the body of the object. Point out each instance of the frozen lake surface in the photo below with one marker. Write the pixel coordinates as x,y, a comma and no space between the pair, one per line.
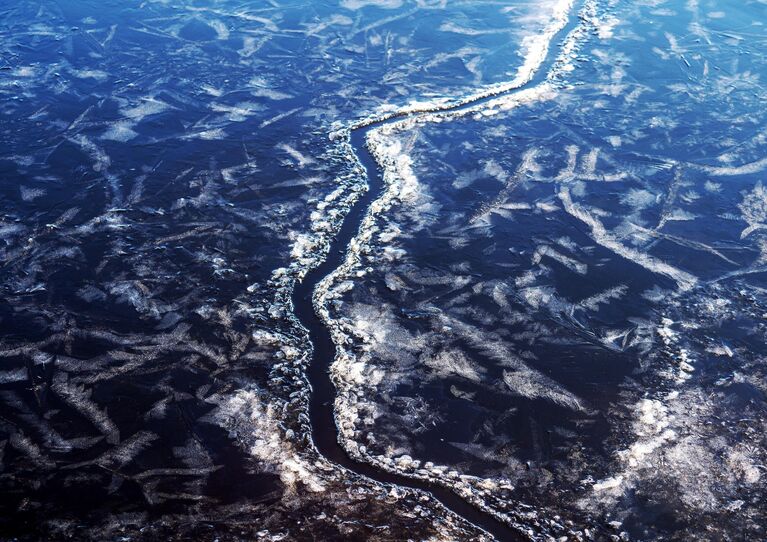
383,270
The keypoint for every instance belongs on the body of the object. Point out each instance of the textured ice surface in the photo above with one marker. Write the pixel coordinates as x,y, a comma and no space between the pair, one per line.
167,175
549,299
556,308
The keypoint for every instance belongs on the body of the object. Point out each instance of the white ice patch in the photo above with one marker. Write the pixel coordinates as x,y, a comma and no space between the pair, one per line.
98,75
120,131
593,302
600,234
534,385
222,31
570,263
754,209
402,184
238,112
726,171
454,363
30,194
358,4
302,160
536,47
639,198
146,107
208,135
652,429
257,425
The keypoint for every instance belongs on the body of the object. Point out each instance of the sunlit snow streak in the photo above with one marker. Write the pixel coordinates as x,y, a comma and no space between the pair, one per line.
599,233
537,49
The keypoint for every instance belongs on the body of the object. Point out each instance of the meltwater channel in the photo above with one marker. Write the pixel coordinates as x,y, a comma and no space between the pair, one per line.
324,430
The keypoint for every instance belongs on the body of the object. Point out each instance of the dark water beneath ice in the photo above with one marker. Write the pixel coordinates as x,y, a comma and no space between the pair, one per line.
570,297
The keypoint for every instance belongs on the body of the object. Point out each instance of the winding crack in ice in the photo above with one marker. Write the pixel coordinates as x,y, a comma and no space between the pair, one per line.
401,184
